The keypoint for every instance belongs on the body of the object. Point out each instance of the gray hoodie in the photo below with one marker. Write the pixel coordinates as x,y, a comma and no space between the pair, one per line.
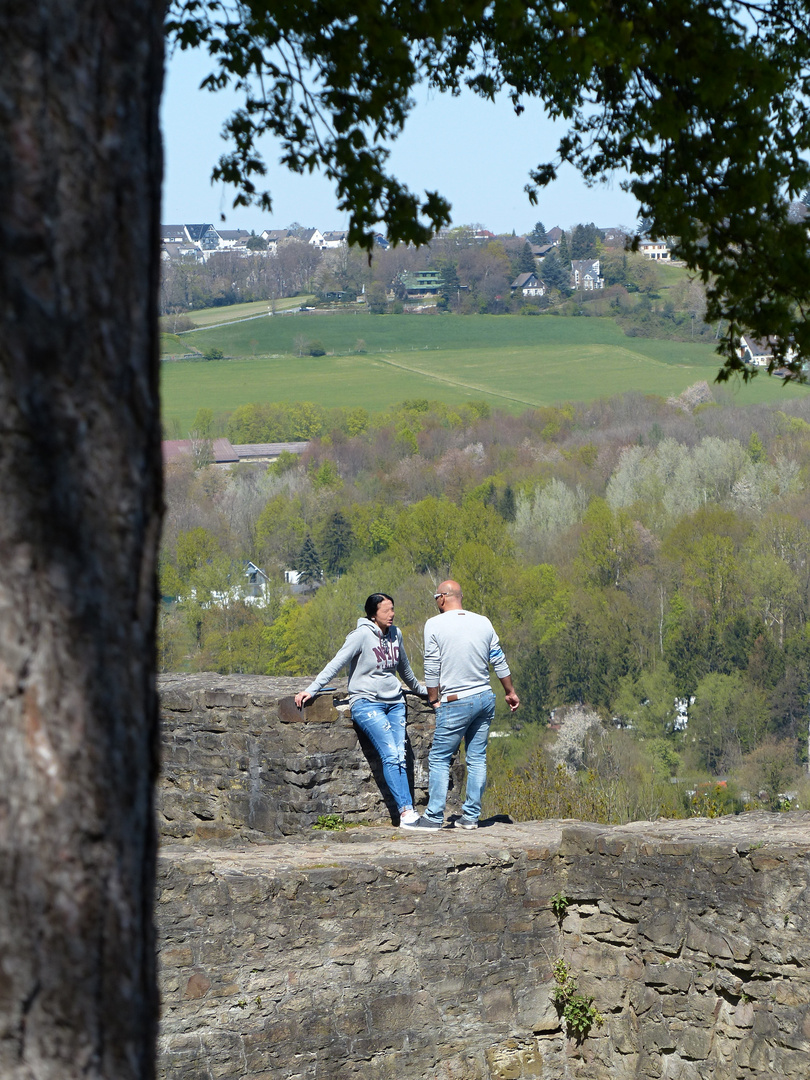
374,660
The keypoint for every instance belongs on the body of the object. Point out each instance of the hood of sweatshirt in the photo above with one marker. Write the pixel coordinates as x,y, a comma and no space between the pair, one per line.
376,631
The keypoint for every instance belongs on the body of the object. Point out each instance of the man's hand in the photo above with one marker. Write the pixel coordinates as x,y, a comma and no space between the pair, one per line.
299,699
512,700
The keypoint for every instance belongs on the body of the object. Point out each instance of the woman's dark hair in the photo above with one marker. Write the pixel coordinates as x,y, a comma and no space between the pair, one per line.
374,602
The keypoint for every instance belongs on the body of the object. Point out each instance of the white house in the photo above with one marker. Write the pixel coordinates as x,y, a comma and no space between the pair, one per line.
274,237
335,239
758,352
204,236
658,250
529,284
585,275
311,236
233,238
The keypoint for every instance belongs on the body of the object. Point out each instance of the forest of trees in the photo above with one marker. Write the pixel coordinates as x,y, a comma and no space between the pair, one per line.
632,554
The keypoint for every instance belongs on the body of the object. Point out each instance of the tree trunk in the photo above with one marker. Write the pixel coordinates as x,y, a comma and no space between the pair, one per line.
80,167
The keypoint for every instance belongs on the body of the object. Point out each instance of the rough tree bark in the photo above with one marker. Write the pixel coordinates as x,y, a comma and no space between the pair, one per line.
80,166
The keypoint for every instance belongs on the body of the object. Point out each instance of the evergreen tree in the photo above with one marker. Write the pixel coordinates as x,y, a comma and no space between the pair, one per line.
583,242
506,504
556,273
526,263
337,543
534,679
564,252
538,234
309,562
576,654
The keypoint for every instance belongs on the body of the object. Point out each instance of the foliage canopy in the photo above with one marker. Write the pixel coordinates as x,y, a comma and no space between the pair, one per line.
704,102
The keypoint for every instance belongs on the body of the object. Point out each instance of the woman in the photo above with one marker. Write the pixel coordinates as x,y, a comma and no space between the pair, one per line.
375,653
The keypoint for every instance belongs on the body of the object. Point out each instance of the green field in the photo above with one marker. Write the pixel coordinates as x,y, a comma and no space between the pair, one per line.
513,362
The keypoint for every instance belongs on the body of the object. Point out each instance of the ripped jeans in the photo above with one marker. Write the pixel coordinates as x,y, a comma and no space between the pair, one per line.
384,723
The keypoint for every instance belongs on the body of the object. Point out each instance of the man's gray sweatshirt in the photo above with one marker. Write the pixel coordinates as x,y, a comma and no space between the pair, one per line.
374,660
459,648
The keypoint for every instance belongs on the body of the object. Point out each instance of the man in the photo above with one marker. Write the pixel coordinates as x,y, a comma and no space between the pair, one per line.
459,648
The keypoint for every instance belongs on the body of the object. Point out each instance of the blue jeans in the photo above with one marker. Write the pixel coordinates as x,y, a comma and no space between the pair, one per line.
385,725
469,719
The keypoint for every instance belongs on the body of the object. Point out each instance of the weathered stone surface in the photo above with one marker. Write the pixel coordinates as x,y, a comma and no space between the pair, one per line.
235,770
381,954
374,954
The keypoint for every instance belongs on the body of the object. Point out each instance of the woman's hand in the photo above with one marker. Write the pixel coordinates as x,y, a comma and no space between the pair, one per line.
299,699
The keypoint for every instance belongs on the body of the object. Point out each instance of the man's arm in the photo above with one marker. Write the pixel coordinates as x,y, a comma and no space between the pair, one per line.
432,666
512,700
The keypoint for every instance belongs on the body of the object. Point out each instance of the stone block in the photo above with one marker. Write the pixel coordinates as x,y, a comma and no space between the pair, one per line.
319,710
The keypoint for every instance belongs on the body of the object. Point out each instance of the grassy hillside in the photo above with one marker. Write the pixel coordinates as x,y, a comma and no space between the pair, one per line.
513,362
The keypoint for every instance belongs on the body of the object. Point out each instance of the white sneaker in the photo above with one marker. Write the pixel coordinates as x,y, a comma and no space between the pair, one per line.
408,817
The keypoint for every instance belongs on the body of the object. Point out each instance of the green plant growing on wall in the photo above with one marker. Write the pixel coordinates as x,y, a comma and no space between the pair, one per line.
559,905
330,822
578,1011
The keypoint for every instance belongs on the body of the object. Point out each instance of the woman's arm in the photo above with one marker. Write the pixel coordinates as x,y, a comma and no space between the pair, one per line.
348,650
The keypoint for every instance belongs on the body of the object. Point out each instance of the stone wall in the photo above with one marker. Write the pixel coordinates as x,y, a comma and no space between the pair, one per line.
381,954
237,767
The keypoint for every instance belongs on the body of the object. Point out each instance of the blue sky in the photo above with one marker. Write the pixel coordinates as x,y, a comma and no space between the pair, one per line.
475,153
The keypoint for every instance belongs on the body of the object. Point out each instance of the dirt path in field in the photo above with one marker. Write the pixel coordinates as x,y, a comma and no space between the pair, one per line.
487,390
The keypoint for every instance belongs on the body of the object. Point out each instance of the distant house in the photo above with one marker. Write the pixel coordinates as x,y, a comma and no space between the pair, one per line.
173,234
274,237
585,275
176,252
231,239
381,241
539,251
175,244
555,235
223,452
204,236
614,237
310,236
257,580
529,284
658,250
422,282
267,452
759,352
335,239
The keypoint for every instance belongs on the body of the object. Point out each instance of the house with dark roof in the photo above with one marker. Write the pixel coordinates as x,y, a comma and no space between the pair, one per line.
274,237
539,251
176,252
223,452
755,351
759,352
233,238
205,236
585,275
173,234
309,236
529,284
175,244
